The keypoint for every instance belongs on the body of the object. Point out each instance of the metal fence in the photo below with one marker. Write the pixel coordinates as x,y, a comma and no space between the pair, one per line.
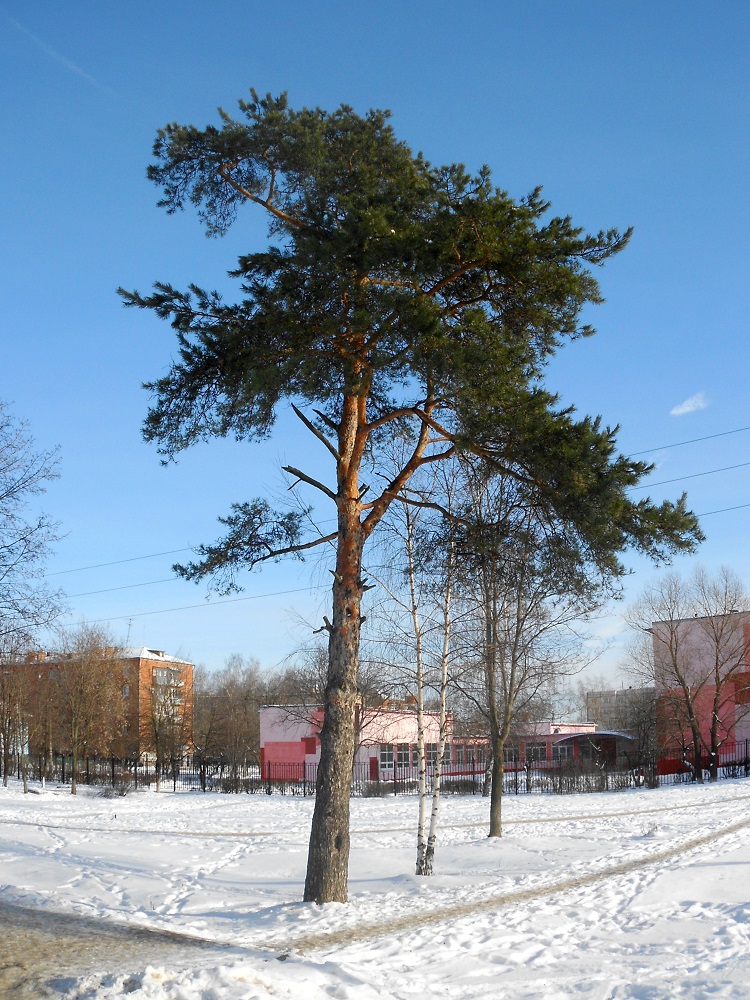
733,762
541,777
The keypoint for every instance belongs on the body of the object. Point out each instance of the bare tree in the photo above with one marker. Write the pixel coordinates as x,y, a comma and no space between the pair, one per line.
167,722
87,680
240,690
13,713
226,724
26,603
441,633
695,655
630,710
528,587
302,679
206,739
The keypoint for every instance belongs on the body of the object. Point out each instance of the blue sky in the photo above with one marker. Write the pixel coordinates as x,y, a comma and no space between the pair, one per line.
629,113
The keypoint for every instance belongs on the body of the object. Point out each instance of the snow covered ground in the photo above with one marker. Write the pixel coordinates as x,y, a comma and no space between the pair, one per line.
635,895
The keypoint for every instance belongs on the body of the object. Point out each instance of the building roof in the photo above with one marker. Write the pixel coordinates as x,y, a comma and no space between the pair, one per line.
146,653
596,735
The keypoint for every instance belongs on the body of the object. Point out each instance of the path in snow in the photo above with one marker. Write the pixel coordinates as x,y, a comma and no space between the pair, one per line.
43,953
396,925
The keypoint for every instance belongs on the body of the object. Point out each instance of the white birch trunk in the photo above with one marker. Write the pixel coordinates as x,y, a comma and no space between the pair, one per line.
419,655
429,854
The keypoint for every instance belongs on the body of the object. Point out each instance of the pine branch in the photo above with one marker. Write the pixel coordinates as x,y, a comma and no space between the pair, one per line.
314,430
303,477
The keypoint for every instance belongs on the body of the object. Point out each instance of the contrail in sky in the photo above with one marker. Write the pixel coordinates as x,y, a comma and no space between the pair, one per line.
54,54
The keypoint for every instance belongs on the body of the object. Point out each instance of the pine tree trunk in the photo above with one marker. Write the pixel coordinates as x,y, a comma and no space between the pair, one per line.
328,856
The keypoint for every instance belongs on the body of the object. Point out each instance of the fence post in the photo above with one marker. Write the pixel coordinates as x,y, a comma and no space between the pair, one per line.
113,771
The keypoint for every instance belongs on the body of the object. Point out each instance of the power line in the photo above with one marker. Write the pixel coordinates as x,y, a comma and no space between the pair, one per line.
724,510
645,451
118,562
127,586
679,444
695,475
191,607
172,579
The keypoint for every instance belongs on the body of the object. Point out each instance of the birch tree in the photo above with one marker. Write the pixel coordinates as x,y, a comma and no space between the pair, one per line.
420,552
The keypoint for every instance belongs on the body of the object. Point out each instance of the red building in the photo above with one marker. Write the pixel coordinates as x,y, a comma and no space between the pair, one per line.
702,669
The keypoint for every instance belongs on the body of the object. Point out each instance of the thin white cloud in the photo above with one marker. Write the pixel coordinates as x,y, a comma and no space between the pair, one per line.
691,405
57,56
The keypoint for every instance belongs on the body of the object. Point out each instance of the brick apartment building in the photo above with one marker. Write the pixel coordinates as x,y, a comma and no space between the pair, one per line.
157,693
158,690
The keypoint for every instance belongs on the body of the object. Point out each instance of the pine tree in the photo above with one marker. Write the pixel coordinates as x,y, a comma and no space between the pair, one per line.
391,292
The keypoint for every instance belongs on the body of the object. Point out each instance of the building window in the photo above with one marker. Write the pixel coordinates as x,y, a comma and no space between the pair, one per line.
125,690
166,677
536,752
403,754
562,753
431,750
414,755
386,756
459,755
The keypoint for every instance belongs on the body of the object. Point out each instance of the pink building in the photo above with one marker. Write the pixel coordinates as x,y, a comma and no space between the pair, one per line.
387,744
386,738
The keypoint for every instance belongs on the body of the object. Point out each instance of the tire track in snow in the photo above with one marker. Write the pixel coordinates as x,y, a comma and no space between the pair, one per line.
353,935
565,818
